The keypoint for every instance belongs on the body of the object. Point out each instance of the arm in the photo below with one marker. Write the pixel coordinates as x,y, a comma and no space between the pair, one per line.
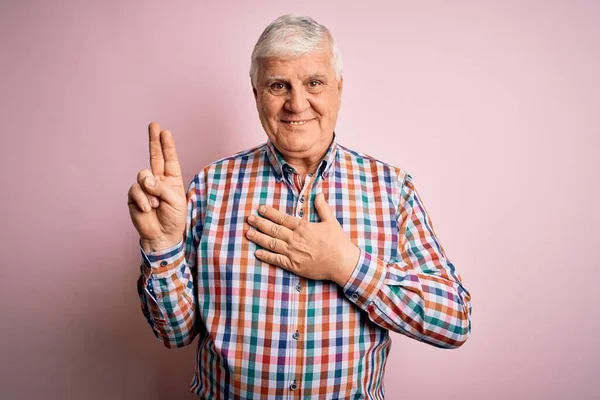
420,294
157,205
166,284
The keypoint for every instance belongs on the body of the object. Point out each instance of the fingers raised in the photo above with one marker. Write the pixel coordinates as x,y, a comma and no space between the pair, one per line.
157,161
163,154
171,162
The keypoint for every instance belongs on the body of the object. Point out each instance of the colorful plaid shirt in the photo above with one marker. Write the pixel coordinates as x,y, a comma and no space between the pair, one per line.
267,333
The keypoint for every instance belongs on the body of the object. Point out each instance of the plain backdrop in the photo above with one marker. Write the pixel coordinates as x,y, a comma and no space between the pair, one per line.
492,106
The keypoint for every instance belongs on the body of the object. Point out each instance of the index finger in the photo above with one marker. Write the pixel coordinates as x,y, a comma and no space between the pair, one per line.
157,161
278,217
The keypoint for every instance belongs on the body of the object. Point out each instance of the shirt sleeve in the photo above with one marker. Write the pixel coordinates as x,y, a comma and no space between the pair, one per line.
166,284
419,294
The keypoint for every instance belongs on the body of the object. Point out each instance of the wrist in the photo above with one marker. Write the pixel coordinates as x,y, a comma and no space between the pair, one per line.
347,265
154,245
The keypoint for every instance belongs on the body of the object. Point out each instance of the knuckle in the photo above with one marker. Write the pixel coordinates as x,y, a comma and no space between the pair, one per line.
273,244
284,218
134,190
301,226
290,265
275,229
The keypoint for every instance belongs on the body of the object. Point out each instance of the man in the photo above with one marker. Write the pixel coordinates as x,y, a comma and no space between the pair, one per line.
292,261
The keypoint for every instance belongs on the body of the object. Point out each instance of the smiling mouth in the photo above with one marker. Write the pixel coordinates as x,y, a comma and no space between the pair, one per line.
297,123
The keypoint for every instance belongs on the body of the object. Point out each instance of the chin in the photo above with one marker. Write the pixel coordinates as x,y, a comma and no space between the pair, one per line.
298,142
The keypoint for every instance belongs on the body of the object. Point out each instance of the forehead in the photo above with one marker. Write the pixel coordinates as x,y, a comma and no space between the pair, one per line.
290,67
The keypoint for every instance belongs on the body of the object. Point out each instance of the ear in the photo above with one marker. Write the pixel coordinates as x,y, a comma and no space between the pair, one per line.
340,86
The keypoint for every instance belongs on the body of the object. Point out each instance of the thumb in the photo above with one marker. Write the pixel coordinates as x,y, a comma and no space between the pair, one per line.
323,209
161,190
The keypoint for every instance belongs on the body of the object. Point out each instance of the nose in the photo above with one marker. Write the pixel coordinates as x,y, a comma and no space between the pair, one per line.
297,100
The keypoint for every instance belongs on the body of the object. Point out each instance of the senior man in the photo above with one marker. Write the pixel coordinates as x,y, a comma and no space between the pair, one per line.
293,260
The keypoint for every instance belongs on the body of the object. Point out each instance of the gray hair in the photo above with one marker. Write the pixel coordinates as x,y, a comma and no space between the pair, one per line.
294,35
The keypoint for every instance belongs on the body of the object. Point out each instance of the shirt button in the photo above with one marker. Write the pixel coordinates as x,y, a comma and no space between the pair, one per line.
293,387
355,295
298,287
296,335
163,263
301,213
301,199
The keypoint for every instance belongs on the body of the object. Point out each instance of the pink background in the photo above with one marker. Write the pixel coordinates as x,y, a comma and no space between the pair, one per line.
492,106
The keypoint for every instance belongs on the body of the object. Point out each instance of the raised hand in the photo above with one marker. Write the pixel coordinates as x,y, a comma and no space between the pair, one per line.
314,250
157,202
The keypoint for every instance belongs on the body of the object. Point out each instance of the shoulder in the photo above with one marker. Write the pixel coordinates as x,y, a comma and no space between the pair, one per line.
372,166
251,154
231,163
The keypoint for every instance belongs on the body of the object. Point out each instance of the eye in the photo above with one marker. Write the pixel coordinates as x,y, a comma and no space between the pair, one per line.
277,87
315,86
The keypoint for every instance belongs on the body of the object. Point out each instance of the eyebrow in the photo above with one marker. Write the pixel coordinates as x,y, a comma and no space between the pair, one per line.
271,78
317,76
310,77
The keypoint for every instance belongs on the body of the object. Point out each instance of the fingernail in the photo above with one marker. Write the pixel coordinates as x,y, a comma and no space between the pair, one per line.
250,233
251,218
150,181
259,253
154,202
262,209
147,208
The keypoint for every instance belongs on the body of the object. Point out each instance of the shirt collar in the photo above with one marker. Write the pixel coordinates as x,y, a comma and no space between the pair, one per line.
282,168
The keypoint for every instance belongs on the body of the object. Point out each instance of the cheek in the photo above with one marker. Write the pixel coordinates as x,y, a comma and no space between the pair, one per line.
324,108
268,112
270,109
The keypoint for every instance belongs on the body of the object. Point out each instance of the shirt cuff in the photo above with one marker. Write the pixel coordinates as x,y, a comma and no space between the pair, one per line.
366,279
163,262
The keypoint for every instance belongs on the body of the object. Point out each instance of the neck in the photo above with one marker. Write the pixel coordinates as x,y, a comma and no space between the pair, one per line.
306,163
304,166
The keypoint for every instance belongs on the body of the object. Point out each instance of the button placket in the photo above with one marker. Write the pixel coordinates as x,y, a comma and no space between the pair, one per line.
300,206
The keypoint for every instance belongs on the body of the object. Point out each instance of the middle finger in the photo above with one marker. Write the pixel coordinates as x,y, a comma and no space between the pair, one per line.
270,228
267,242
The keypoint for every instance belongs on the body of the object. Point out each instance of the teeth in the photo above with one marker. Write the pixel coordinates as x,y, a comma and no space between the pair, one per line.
297,122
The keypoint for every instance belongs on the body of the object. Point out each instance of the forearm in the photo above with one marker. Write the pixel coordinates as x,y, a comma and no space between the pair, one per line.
166,292
433,308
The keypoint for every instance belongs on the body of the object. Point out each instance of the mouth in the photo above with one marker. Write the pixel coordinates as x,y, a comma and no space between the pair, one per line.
296,122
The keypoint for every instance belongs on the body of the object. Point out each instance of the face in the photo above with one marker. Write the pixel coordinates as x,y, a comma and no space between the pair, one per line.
298,100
